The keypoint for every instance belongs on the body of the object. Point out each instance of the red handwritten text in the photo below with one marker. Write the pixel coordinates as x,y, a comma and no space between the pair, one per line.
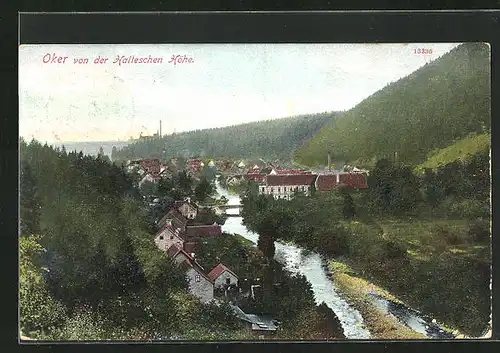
53,59
132,59
178,59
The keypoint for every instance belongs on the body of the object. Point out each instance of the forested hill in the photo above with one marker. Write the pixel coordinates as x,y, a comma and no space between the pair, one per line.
276,138
441,102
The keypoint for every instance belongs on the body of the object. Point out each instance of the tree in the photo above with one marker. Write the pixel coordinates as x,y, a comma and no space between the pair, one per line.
29,202
203,189
184,183
114,153
348,208
39,311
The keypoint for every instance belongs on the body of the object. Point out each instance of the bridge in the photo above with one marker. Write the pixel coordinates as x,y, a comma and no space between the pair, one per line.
227,207
222,207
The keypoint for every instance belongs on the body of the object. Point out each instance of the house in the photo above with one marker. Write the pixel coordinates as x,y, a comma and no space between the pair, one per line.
211,164
241,165
194,164
222,276
151,165
199,283
288,171
328,182
204,230
177,219
149,177
187,209
255,176
283,186
190,246
167,236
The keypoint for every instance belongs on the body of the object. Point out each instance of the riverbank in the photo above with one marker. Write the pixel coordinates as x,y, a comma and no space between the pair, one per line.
357,292
367,297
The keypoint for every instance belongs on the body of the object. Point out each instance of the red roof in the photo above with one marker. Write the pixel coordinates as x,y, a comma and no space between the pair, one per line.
203,231
353,180
168,226
174,250
327,182
190,246
178,220
255,176
217,271
294,179
151,165
291,171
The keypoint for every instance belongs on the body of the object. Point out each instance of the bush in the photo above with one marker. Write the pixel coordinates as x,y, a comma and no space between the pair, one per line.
479,230
453,207
394,250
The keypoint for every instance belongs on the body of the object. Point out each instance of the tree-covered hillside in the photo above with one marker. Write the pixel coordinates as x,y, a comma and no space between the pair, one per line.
441,102
276,138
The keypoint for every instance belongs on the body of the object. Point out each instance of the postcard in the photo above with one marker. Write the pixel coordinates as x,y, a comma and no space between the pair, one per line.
234,192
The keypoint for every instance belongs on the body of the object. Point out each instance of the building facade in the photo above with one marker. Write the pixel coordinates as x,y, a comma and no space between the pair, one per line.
284,186
221,276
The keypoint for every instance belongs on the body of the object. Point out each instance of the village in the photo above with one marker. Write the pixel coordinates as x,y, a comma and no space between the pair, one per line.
186,225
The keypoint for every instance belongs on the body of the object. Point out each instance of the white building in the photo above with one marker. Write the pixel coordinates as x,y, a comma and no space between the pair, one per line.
168,236
284,186
187,209
199,284
222,276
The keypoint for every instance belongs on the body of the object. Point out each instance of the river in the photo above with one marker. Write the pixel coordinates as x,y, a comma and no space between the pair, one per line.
307,263
311,265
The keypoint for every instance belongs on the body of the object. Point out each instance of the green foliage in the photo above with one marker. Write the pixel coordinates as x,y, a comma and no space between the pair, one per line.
149,188
269,139
479,231
29,202
439,103
393,188
462,150
203,189
40,313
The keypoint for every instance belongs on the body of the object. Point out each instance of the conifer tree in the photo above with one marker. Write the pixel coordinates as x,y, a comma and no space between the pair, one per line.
29,203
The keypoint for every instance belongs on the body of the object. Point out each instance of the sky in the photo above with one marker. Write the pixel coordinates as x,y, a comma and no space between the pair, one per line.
224,84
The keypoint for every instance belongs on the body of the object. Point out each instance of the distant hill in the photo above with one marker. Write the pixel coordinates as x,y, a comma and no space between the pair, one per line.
460,150
276,138
90,147
441,102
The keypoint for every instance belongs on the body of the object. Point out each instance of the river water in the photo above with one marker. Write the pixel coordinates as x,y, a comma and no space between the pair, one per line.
310,264
307,263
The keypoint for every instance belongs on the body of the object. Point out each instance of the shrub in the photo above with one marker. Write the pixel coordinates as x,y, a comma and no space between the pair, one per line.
479,230
394,250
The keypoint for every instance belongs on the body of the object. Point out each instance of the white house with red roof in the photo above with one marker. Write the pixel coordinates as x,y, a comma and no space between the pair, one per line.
199,283
283,186
222,276
167,236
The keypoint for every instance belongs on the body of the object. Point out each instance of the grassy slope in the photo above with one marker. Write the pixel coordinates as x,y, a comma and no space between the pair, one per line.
446,274
443,101
460,150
